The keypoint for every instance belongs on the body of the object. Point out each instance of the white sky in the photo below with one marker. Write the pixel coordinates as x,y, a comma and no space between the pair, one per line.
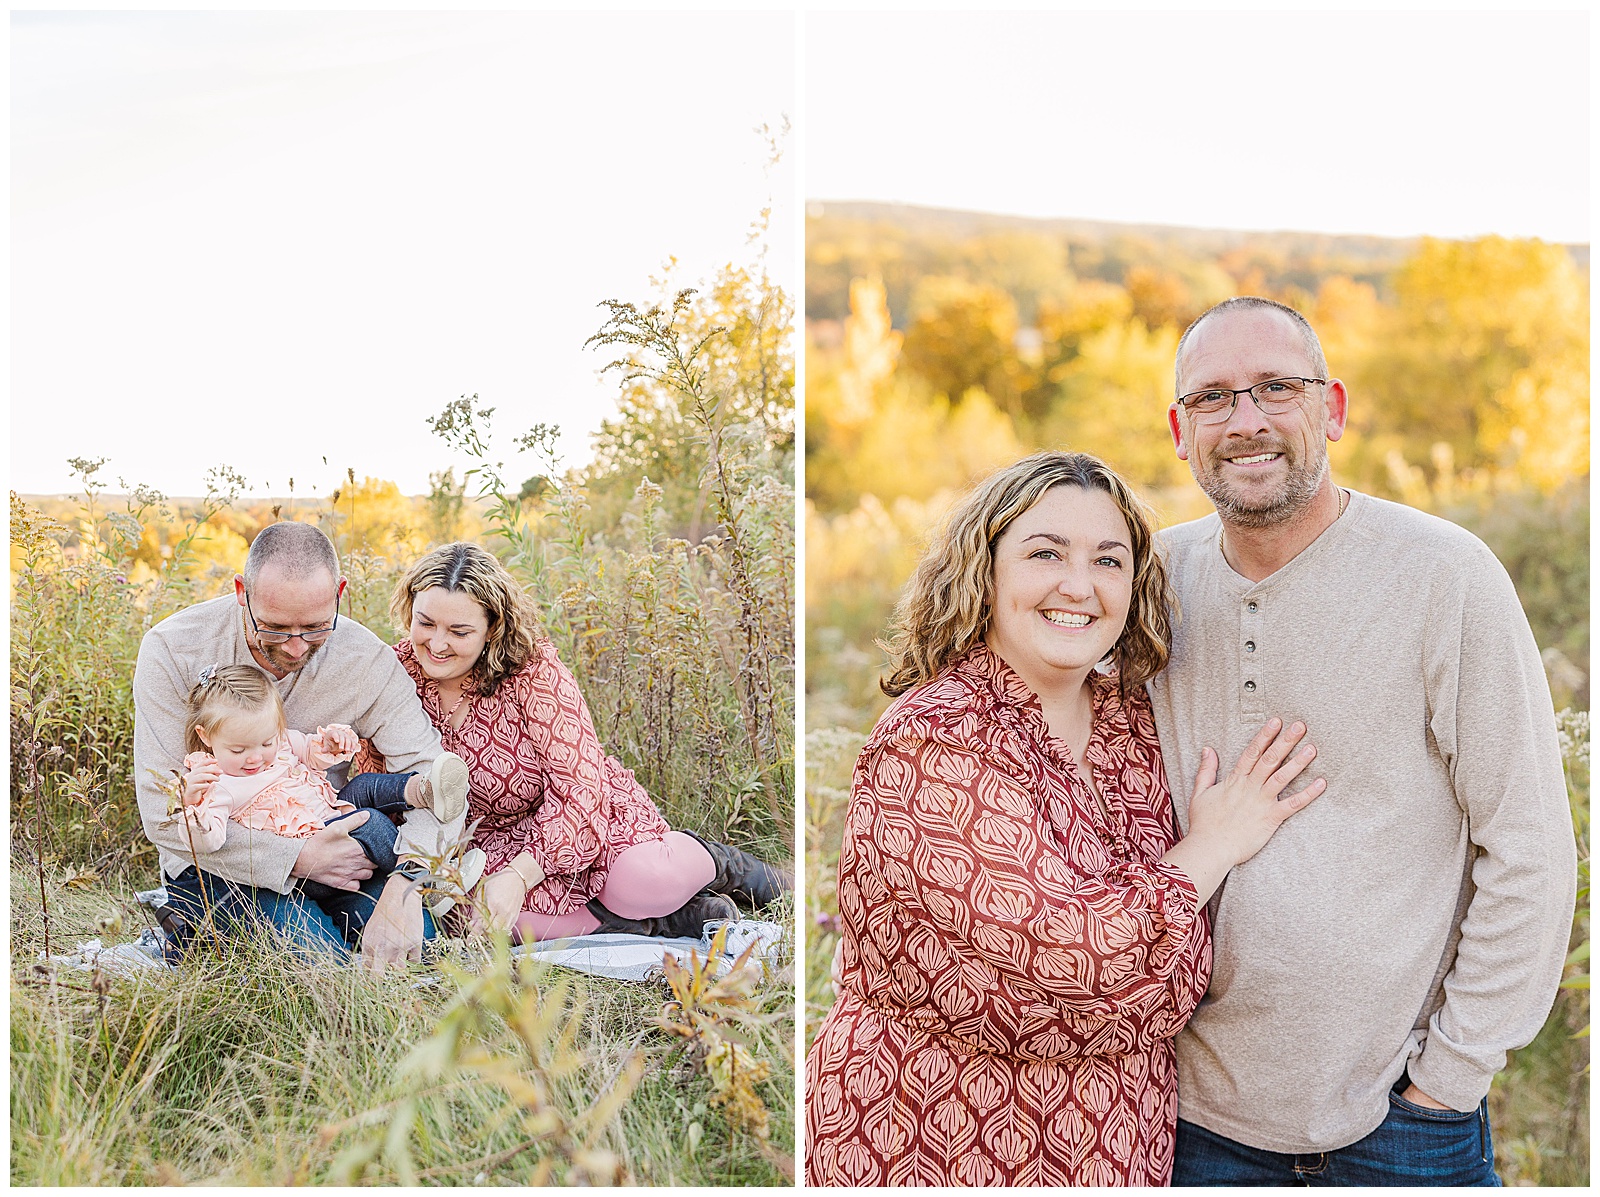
261,239
1448,123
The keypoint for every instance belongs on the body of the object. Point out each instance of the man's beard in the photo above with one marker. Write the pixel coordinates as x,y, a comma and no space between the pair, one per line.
1289,500
281,661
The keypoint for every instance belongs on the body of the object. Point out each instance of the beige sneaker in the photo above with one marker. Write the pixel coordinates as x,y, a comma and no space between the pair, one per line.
448,780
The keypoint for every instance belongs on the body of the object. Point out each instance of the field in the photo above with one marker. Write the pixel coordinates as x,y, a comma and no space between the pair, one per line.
666,572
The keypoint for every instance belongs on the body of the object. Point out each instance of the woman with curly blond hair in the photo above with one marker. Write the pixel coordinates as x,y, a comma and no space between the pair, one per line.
573,843
1023,929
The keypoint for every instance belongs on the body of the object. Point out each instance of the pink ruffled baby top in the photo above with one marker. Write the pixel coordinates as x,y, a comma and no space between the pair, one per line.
291,797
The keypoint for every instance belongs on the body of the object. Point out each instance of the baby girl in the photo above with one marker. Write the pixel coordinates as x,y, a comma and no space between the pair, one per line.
246,765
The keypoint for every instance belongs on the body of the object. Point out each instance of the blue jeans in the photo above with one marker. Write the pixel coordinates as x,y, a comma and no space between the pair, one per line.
1412,1146
379,793
312,927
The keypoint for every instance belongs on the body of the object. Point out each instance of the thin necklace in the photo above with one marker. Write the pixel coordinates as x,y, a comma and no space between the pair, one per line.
1343,498
457,706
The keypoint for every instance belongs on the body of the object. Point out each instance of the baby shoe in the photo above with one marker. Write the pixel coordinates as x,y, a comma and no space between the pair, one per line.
473,862
449,780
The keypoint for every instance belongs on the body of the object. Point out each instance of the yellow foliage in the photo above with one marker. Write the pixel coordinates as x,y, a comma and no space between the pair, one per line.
915,446
374,517
1487,350
218,548
963,336
1089,307
1112,402
869,549
871,349
1159,297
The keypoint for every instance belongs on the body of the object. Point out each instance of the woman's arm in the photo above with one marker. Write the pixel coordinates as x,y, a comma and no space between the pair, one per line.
958,843
501,895
575,814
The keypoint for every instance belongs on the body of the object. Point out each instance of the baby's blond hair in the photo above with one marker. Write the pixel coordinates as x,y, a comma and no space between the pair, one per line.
225,690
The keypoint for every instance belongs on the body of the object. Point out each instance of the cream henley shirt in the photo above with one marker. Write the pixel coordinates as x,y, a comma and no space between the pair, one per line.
354,678
1416,916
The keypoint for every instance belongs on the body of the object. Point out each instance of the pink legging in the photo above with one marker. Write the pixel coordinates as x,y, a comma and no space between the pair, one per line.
646,881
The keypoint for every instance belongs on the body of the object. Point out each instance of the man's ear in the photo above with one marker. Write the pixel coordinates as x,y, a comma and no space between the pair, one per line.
1338,409
1176,429
238,588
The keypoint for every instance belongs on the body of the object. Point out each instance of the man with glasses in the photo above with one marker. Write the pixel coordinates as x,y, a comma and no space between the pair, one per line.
284,617
1377,959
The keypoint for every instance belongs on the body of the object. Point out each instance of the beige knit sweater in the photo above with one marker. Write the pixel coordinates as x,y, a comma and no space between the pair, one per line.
1417,914
354,678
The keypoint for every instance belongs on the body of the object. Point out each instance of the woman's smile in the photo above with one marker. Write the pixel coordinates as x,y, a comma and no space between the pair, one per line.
1072,620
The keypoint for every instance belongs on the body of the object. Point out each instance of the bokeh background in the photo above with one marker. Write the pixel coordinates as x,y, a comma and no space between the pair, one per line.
1016,275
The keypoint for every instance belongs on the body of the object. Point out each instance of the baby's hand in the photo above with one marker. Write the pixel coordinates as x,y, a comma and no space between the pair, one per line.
198,780
337,742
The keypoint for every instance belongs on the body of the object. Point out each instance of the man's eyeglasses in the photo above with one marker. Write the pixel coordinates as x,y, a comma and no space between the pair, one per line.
311,636
1273,397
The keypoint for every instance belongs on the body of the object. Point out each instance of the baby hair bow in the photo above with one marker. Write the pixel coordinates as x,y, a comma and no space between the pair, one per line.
208,675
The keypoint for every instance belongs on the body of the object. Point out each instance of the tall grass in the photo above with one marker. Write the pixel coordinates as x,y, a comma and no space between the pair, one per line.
245,1068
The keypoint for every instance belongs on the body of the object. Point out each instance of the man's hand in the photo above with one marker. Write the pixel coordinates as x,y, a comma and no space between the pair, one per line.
1418,1098
393,934
333,858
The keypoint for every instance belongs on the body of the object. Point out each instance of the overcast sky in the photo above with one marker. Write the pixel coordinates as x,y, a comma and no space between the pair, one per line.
262,239
1448,123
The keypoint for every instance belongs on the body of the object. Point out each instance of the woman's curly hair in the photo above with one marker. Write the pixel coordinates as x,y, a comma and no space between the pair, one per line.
946,606
470,568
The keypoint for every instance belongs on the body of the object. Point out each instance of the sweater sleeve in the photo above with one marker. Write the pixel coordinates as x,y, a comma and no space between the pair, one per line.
255,858
208,818
399,730
959,845
1492,718
313,750
575,814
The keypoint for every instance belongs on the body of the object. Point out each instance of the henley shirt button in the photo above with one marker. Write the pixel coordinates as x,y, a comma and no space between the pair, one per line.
1249,646
1251,607
1250,686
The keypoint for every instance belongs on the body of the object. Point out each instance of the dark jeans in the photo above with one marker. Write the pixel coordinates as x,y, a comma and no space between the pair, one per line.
331,927
380,793
1413,1146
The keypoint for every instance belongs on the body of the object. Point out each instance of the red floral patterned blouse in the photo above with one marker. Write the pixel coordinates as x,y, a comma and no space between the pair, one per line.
1014,961
541,781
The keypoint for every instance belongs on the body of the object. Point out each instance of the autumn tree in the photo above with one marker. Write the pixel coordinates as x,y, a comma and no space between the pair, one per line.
1487,351
962,337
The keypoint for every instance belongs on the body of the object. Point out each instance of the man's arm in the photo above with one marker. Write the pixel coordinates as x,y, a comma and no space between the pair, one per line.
1491,715
248,857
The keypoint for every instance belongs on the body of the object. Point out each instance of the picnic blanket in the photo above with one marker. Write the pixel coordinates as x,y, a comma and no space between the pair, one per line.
615,955
639,957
